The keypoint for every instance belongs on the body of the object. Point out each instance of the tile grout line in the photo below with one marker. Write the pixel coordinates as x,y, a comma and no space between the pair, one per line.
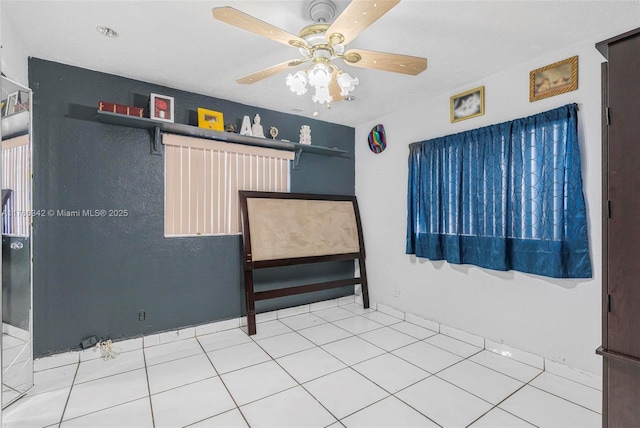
503,373
309,392
391,394
108,407
489,368
459,387
411,407
496,406
528,383
371,404
146,373
558,396
66,403
385,351
350,366
296,380
223,384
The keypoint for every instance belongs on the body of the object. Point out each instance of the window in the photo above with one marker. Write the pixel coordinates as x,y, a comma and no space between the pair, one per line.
202,179
507,196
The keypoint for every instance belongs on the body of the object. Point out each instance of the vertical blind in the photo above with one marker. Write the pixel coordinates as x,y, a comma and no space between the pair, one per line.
15,176
507,196
202,179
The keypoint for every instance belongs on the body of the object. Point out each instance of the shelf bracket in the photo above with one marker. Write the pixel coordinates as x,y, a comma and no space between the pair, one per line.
156,141
296,159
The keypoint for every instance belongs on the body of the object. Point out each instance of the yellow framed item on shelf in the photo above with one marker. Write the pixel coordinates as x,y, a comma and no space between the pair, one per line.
210,119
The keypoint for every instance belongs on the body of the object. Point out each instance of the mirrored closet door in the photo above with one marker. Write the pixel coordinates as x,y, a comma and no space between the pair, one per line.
17,346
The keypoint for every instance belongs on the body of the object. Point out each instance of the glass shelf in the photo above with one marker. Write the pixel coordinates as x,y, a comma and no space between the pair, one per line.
193,131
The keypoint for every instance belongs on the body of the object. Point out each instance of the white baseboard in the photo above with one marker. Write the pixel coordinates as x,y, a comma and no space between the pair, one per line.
577,375
589,379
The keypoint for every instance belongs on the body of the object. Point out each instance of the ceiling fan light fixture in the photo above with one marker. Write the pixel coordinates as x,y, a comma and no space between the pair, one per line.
319,76
325,79
347,83
297,82
322,95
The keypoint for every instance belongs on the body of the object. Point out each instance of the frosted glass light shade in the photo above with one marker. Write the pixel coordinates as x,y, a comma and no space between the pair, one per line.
319,76
297,82
322,95
347,83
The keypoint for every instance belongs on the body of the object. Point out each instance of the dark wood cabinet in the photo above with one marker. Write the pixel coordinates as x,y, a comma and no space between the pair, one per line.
621,230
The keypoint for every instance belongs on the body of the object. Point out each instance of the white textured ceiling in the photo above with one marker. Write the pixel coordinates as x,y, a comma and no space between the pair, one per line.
180,45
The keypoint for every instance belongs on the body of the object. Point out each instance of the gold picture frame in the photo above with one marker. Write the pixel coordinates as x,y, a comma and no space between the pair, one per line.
467,104
553,79
210,119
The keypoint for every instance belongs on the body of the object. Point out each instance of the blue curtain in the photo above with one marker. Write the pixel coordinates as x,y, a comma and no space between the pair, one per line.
505,197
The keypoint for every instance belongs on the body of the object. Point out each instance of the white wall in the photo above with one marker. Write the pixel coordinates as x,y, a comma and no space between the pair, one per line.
557,319
13,58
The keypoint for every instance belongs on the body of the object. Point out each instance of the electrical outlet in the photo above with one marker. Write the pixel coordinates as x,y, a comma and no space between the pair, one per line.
142,315
89,342
397,292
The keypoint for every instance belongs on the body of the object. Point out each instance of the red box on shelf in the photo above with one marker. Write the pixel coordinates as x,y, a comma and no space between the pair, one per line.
120,109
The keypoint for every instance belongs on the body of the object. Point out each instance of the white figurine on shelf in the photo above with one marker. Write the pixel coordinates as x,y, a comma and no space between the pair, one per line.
305,134
256,128
246,126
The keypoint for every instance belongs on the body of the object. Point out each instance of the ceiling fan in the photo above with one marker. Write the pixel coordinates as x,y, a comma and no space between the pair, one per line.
321,43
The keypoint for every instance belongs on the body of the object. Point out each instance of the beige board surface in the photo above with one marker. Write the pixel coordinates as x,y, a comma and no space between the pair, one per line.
289,228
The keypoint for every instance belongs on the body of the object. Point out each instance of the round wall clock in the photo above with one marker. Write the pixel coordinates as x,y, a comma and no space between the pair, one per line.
377,139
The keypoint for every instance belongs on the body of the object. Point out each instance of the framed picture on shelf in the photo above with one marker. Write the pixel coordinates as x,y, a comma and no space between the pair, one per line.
467,104
553,79
161,108
210,119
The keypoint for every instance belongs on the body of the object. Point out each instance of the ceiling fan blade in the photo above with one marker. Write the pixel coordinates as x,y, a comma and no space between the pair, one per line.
247,22
395,63
358,15
334,88
268,72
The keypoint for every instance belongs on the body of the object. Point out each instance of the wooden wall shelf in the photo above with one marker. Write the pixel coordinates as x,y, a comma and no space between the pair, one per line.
193,131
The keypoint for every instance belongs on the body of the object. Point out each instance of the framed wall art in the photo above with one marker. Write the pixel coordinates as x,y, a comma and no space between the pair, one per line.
210,119
553,79
467,104
161,108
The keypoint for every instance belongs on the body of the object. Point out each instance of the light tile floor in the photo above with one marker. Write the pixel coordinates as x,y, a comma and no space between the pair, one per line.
335,367
16,362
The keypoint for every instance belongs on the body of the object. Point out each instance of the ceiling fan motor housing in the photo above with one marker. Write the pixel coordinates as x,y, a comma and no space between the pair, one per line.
322,10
